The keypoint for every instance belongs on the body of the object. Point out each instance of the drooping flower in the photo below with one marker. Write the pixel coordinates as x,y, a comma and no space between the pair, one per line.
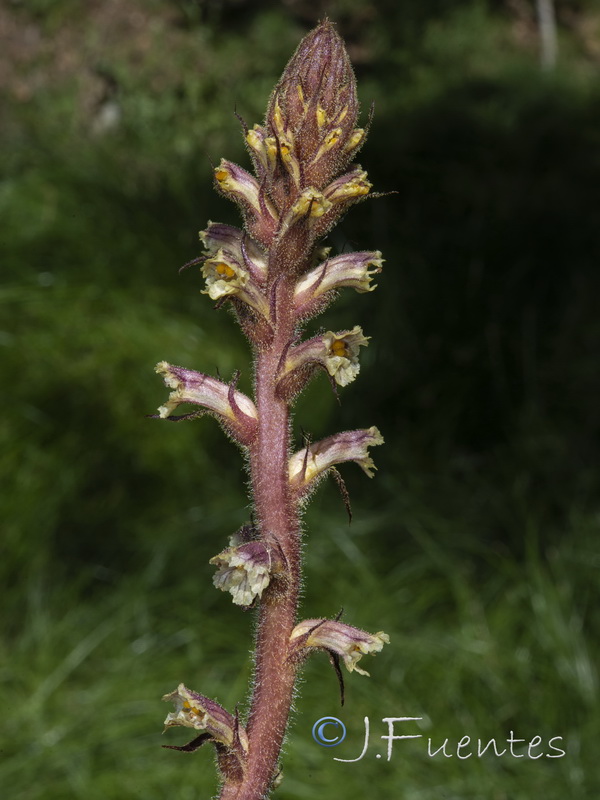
245,569
313,461
348,643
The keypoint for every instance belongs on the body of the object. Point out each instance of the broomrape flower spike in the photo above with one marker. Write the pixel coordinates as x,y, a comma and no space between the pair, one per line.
276,274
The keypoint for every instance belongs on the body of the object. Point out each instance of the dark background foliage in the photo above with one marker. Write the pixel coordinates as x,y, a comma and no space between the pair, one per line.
476,543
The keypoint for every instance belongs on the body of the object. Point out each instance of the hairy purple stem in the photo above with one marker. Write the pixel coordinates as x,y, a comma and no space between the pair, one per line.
277,516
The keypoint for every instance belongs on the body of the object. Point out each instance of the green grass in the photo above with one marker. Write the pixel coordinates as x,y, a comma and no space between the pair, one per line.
472,653
482,643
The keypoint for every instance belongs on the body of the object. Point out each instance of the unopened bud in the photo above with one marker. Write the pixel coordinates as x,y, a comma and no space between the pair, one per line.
315,106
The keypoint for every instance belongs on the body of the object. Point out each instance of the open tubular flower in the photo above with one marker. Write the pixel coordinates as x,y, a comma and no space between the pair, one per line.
336,352
341,360
225,277
316,287
245,570
237,184
237,245
354,270
308,464
193,710
233,408
240,186
348,643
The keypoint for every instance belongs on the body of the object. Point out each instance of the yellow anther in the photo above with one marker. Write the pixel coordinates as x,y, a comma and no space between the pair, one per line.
339,348
221,174
224,270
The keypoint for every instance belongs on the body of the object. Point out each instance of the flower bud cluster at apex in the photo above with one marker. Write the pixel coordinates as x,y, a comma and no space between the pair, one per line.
300,154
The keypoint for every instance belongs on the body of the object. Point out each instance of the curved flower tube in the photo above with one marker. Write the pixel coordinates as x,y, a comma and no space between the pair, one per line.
313,461
233,408
348,643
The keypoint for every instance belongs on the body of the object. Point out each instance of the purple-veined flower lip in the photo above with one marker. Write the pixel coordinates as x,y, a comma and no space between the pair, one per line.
193,710
349,269
339,639
315,459
194,387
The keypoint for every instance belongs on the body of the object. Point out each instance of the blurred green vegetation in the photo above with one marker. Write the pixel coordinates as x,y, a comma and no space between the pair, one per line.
476,545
